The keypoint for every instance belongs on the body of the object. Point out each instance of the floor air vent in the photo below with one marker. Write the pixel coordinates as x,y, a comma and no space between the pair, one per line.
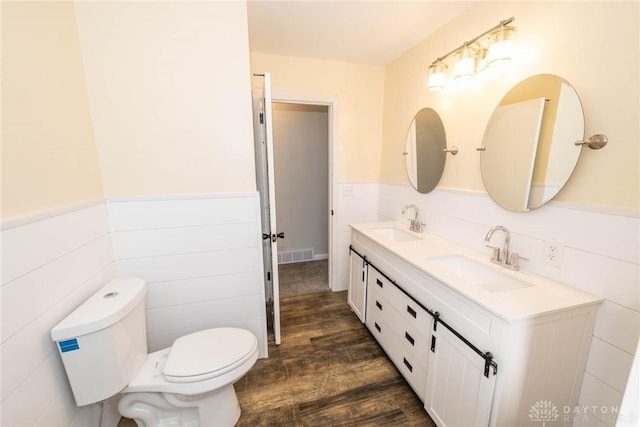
295,256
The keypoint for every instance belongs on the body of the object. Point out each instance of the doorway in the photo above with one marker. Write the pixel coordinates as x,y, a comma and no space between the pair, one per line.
301,160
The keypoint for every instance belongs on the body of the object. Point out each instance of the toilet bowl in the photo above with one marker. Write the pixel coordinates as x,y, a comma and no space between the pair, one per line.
104,350
192,380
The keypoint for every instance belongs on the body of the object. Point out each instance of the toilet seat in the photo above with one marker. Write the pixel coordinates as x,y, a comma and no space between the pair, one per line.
207,354
200,362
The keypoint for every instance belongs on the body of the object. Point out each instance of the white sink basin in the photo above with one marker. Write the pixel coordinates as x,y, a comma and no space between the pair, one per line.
487,278
395,234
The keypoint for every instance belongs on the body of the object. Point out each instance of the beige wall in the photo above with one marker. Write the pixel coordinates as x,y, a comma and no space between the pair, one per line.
556,38
170,91
358,90
49,157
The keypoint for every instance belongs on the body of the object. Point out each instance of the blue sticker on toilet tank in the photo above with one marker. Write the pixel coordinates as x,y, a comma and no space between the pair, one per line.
68,345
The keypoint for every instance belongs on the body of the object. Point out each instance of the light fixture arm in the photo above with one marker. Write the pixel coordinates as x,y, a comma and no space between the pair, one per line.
502,24
596,142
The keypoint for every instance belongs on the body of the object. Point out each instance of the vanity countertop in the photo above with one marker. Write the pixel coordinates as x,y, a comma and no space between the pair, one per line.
540,296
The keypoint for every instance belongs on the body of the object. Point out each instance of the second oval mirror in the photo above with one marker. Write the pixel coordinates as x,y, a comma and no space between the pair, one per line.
528,147
424,151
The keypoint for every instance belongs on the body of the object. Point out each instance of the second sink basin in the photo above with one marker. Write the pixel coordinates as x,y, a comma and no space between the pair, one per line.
395,234
485,277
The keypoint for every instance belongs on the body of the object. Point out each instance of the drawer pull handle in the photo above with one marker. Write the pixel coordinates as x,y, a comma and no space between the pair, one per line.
407,364
379,282
377,327
379,305
411,311
409,338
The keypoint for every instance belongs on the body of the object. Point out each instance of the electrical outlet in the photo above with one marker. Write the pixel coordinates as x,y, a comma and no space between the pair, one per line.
552,253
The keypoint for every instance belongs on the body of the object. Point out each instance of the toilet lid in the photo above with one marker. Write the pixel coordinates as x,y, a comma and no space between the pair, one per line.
208,353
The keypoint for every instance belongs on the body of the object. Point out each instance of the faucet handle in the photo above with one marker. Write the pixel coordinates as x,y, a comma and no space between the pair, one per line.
515,258
416,226
495,253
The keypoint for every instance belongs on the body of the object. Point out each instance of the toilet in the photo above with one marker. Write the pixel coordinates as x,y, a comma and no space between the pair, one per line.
103,345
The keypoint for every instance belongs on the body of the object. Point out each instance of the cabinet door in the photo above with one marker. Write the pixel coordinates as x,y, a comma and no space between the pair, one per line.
458,393
357,293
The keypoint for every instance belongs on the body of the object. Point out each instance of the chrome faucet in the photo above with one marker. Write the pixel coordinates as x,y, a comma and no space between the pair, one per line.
414,224
501,256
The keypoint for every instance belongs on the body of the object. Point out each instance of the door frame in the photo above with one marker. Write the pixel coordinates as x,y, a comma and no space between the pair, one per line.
332,134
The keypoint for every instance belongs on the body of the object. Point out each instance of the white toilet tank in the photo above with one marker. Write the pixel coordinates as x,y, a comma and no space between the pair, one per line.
103,342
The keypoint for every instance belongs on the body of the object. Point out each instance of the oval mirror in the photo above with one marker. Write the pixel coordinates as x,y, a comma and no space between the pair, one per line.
424,151
528,147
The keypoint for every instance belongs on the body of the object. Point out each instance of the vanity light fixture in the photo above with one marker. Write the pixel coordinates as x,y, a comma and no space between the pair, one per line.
472,56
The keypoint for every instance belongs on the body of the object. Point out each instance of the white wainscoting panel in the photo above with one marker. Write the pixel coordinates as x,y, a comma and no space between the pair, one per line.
609,364
132,214
598,401
192,315
202,259
49,267
357,202
601,255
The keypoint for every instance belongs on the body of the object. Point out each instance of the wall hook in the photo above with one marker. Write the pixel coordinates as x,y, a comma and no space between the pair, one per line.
596,142
453,150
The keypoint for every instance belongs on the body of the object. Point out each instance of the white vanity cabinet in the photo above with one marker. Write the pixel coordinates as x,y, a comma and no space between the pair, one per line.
470,364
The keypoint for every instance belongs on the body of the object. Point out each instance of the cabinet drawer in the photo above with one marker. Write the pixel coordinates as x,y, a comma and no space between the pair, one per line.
414,341
412,369
375,306
375,320
416,317
410,310
407,349
377,284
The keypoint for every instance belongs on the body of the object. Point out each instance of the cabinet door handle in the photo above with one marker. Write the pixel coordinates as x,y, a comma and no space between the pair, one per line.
379,305
433,343
411,311
377,327
407,364
409,338
379,282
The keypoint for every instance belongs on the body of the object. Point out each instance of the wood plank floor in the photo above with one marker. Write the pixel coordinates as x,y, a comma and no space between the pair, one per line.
328,371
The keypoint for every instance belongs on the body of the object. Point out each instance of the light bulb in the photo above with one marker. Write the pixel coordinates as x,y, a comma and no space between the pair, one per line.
465,64
501,46
437,76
